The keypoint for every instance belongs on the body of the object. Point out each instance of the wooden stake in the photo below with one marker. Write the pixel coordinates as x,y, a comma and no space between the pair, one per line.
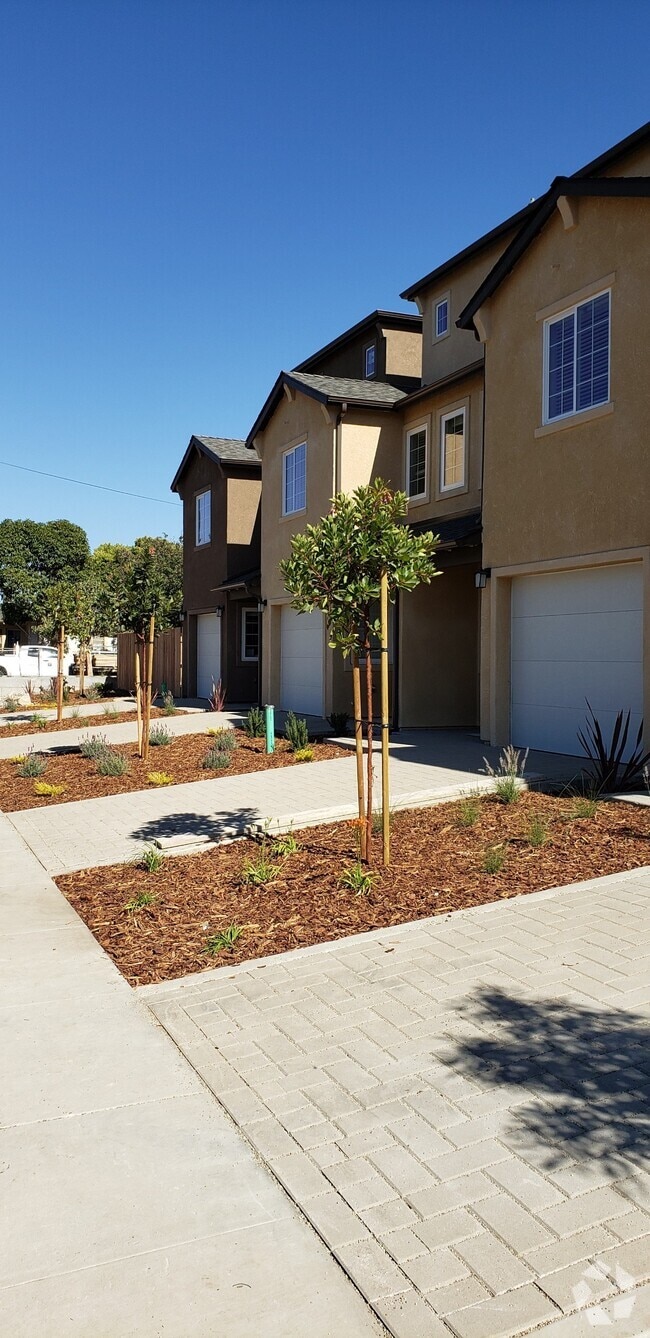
385,786
369,747
148,690
59,673
358,743
138,692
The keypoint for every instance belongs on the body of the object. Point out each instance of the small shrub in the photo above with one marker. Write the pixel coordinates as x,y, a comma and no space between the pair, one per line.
11,703
109,710
112,764
538,832
140,900
39,720
17,757
160,778
378,821
494,859
216,760
257,872
92,693
469,810
338,721
224,740
295,730
151,860
34,765
285,845
217,698
584,807
48,791
608,770
255,724
303,755
357,879
74,713
159,736
94,746
507,789
168,704
225,940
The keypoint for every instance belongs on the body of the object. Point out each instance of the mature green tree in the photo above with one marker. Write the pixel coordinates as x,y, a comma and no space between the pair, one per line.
337,565
149,583
33,555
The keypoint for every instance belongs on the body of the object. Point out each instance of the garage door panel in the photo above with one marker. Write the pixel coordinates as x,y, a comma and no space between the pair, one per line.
575,636
301,674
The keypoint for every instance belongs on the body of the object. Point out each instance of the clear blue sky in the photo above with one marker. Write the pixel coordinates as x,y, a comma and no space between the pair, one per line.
196,194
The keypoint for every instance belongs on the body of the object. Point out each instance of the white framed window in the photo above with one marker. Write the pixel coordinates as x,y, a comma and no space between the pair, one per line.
370,360
294,479
441,318
203,508
250,635
416,462
452,450
576,358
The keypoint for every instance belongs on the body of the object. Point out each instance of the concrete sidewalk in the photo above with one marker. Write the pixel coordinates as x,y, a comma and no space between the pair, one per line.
459,1105
61,740
426,768
131,1205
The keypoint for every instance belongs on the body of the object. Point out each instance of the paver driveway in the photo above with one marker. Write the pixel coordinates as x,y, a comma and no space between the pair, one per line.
459,1106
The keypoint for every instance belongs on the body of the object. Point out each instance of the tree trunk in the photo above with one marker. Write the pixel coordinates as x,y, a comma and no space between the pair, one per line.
385,785
82,668
148,689
369,746
59,674
138,693
358,743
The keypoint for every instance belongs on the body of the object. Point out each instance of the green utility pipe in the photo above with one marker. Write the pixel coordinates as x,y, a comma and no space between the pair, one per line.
269,712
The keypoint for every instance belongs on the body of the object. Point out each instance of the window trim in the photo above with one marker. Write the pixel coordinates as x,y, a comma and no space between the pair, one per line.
414,498
249,659
559,315
202,543
446,488
438,302
290,451
369,348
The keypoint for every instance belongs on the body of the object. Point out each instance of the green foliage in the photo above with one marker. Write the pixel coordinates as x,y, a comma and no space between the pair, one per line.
168,704
94,746
33,556
285,845
75,714
469,810
357,879
140,900
303,755
159,737
132,584
507,790
225,940
295,730
34,765
151,859
40,721
112,764
160,778
338,721
47,791
255,724
494,859
509,768
584,807
216,759
261,870
336,565
109,711
538,832
224,740
11,704
608,770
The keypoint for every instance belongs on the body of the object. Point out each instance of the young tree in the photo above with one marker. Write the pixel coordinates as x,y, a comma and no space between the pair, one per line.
146,592
337,566
56,613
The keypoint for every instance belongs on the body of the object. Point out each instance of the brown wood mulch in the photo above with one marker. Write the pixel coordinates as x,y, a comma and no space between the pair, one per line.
25,725
437,867
180,759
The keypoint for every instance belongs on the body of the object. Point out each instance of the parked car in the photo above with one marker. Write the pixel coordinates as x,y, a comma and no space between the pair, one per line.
29,661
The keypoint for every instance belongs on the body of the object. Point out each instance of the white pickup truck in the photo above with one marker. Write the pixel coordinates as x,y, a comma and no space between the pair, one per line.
29,662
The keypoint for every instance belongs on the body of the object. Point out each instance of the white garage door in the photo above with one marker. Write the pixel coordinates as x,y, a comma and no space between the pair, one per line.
575,635
301,676
208,652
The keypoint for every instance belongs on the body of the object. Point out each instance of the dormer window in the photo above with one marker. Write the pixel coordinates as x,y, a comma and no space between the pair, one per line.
441,318
370,360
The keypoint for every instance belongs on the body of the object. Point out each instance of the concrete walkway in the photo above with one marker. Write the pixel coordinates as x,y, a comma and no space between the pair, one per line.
426,768
459,1106
62,740
131,1205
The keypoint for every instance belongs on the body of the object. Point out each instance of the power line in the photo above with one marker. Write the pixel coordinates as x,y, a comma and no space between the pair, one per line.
142,497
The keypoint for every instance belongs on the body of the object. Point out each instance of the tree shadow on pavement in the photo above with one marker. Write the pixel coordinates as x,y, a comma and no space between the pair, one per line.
588,1073
178,828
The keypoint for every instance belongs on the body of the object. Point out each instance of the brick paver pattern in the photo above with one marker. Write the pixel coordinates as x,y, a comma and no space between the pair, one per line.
459,1106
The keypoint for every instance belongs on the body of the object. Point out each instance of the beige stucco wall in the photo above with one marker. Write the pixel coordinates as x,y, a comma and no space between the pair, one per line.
442,357
468,394
369,447
403,352
439,650
243,503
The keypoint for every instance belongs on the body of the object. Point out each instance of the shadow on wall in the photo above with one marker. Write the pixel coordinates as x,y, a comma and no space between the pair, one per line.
199,826
588,1074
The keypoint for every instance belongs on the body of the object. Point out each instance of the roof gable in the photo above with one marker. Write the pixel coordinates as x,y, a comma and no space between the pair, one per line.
327,390
224,451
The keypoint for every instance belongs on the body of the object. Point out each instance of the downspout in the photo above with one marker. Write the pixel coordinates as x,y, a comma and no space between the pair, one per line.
337,446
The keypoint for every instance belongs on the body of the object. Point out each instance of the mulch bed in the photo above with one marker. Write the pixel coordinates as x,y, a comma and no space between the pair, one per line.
24,724
181,759
437,867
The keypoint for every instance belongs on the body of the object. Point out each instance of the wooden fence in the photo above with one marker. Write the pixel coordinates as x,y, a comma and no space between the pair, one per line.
167,661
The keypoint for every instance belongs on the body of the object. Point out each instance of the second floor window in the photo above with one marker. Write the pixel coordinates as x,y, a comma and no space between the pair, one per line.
452,450
577,359
370,360
416,463
203,518
441,320
294,480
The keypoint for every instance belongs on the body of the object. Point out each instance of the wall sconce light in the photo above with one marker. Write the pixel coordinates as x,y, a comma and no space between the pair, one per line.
219,610
261,605
481,578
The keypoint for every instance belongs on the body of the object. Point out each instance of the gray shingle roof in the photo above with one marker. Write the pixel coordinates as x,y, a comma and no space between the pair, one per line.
229,449
349,388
